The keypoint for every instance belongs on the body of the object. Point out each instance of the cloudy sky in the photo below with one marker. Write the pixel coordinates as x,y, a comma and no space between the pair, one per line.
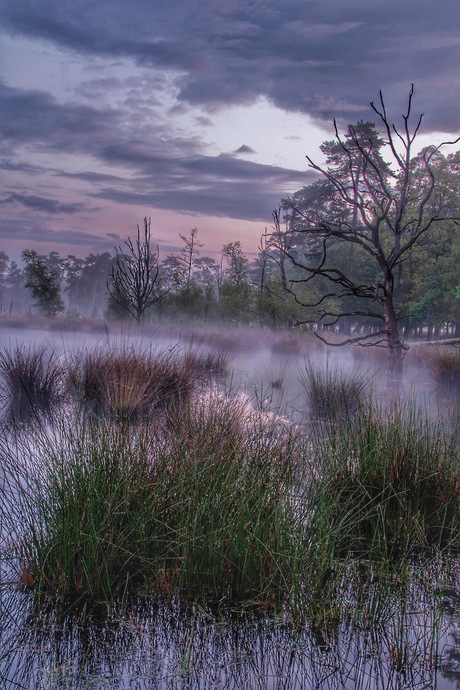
196,113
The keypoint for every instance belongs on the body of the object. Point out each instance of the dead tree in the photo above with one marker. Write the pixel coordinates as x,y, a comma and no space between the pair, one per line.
134,281
391,208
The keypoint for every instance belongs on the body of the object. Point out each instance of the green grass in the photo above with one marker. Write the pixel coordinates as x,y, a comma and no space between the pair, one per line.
212,498
388,487
203,503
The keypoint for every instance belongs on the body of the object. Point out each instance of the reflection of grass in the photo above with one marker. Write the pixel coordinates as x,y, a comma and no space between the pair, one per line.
394,645
32,381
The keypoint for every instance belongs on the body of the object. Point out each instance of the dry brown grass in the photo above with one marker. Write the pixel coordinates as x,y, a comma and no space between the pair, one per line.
125,383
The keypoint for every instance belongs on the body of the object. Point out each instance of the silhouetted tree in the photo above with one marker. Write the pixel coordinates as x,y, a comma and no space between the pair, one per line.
188,253
134,281
43,282
382,210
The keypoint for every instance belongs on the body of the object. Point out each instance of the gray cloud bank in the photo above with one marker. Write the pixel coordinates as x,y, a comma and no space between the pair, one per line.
164,174
324,59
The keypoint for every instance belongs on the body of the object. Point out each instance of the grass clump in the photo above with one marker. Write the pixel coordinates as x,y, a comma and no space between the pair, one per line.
200,504
332,394
84,513
126,384
240,533
31,381
205,362
389,486
443,363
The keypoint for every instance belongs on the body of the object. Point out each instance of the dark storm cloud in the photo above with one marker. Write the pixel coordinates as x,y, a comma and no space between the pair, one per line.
323,58
216,185
196,168
39,203
249,197
35,117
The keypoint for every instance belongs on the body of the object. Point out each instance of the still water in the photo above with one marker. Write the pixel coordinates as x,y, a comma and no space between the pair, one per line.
154,645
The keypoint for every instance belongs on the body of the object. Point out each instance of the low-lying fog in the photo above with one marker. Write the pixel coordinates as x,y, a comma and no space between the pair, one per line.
268,367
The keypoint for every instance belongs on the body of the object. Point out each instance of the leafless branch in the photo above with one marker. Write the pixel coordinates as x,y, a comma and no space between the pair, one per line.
134,280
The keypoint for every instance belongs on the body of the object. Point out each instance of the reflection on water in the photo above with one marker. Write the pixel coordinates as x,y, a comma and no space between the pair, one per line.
411,640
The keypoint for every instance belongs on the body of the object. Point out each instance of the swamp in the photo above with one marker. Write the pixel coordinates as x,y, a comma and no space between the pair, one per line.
217,508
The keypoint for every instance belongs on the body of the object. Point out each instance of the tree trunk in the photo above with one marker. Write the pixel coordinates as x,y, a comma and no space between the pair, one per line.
395,343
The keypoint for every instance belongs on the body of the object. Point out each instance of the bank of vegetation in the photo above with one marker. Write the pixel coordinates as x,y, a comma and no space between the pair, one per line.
130,472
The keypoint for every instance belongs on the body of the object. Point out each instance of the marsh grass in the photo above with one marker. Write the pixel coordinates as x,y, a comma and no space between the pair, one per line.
443,363
205,362
334,395
389,488
215,498
32,381
128,384
202,506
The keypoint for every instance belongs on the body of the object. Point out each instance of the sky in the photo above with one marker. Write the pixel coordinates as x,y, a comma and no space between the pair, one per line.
197,114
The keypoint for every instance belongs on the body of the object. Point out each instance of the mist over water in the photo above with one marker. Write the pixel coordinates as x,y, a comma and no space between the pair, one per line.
265,366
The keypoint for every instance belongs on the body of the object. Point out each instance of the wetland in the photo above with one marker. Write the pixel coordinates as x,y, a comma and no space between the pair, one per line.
227,509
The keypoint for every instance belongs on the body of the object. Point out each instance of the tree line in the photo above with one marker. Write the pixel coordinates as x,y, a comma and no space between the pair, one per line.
371,249
135,282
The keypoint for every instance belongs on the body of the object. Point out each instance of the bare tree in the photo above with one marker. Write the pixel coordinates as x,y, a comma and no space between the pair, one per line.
134,281
389,212
188,253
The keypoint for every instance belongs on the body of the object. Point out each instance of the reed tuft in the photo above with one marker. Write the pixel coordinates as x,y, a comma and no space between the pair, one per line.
32,381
